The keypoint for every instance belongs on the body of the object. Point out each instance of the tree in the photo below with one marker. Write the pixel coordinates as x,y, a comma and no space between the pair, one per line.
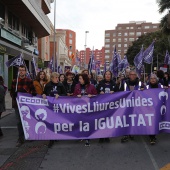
161,45
164,5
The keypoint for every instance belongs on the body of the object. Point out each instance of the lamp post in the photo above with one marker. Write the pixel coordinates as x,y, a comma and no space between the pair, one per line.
85,48
54,39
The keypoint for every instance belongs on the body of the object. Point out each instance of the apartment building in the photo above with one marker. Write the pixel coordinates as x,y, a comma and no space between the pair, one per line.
21,24
99,56
123,36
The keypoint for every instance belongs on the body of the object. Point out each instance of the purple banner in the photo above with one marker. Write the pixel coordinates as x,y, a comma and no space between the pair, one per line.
108,115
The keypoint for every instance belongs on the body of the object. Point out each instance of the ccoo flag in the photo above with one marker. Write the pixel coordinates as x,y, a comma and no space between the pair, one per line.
16,61
148,54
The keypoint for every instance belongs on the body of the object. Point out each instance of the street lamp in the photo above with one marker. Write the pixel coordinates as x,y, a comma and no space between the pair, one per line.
85,48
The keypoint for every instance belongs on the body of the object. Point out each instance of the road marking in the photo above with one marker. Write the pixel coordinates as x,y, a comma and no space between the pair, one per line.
166,167
8,127
150,155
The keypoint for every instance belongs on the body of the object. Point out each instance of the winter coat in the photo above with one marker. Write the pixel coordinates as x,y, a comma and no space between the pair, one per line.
89,89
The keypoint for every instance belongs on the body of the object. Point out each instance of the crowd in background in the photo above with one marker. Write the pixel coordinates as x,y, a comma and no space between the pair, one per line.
78,85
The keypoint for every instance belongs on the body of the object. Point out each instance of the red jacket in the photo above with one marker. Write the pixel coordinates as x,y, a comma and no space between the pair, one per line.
89,88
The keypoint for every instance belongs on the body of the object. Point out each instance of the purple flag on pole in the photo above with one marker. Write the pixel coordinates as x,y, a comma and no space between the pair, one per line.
33,64
91,62
15,61
167,58
148,54
51,66
114,63
138,60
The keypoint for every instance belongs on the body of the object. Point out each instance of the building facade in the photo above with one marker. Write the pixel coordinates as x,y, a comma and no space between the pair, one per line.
21,24
62,57
99,56
123,36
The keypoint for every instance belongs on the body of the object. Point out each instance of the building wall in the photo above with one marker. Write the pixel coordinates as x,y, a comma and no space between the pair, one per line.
123,36
19,29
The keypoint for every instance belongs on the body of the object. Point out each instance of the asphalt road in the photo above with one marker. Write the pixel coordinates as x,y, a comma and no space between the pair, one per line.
73,155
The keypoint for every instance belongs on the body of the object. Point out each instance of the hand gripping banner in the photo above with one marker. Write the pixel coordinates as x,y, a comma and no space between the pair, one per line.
107,115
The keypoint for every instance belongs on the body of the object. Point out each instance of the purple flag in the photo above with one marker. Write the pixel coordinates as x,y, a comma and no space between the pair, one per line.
60,70
51,66
114,63
34,68
124,113
123,64
148,54
15,61
167,58
91,63
138,60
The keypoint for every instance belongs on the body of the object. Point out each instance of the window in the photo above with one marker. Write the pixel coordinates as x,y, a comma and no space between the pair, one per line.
127,28
107,56
125,51
119,39
119,45
125,39
114,34
70,53
119,51
147,27
131,33
107,35
70,47
24,31
119,34
2,14
139,27
70,41
131,27
107,51
70,35
125,34
114,40
131,39
13,22
119,28
138,33
107,40
125,45
155,26
107,45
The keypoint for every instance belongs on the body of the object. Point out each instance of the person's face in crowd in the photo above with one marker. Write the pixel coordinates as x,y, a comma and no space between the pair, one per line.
42,75
22,72
99,78
55,79
81,80
85,72
89,76
166,75
127,72
70,77
132,76
153,80
108,76
122,76
62,78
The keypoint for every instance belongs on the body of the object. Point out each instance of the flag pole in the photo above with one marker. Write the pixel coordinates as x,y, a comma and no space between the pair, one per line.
151,64
157,62
54,38
16,87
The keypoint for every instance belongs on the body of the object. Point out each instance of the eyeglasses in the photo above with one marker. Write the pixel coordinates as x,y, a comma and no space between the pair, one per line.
22,70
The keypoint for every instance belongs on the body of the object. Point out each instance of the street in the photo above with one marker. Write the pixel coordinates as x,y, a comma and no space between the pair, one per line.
73,155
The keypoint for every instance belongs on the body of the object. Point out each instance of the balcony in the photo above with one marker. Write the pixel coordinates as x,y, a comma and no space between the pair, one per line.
31,14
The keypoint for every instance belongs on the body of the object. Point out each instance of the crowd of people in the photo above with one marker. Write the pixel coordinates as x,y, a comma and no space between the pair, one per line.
85,83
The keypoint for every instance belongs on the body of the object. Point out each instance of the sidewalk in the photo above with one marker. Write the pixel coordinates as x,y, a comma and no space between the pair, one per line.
8,103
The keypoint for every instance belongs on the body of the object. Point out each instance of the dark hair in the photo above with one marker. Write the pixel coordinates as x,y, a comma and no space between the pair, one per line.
1,80
22,66
84,71
38,76
85,78
62,75
160,74
110,74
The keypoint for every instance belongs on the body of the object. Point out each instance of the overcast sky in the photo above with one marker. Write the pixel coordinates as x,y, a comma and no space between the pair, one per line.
96,16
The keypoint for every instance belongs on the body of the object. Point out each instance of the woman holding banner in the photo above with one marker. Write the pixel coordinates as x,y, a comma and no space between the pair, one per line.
40,82
54,88
107,85
84,88
153,83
